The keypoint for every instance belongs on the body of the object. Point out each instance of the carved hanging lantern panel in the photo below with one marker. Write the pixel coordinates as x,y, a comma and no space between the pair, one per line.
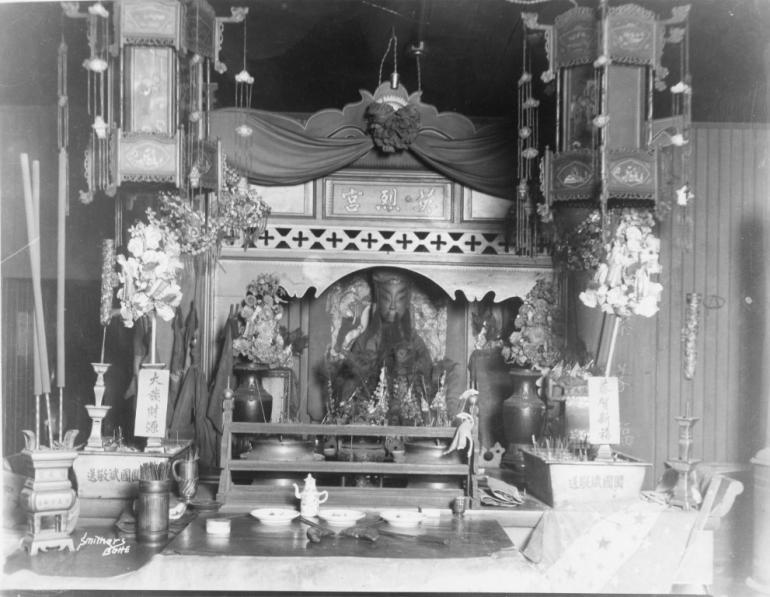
607,63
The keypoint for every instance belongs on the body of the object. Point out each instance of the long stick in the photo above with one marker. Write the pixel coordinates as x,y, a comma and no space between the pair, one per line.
34,262
612,346
44,358
60,271
36,380
152,339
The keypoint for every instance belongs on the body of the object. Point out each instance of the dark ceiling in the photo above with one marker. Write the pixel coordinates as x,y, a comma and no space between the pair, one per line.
307,55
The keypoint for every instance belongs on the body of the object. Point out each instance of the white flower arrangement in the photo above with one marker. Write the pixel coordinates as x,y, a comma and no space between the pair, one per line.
623,284
149,273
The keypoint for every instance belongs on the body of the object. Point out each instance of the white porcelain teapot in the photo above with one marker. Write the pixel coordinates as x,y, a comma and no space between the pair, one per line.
310,498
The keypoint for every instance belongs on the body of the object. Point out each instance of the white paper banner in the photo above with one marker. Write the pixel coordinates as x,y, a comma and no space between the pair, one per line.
604,410
151,402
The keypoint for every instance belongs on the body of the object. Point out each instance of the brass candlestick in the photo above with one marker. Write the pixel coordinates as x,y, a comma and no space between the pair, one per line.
685,492
96,411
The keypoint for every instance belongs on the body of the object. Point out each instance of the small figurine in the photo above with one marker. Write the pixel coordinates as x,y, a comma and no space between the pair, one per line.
310,498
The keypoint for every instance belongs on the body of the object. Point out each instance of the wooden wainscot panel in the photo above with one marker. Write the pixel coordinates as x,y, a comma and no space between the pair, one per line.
480,207
293,201
389,195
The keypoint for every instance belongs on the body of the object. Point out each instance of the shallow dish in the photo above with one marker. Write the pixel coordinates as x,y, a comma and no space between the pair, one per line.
341,517
274,516
402,518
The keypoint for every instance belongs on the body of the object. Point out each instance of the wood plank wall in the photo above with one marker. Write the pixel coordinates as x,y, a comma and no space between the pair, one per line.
715,247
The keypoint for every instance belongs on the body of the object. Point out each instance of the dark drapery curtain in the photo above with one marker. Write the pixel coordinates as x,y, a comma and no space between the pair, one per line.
484,162
278,152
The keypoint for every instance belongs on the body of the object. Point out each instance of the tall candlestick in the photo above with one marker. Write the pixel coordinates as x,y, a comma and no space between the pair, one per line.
60,270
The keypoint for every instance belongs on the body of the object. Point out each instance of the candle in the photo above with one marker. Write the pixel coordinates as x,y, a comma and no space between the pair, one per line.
60,272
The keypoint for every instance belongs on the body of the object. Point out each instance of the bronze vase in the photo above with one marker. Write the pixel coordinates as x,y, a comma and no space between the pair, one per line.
252,402
523,413
523,410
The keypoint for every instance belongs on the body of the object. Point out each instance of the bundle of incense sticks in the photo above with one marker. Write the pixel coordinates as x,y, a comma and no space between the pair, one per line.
155,471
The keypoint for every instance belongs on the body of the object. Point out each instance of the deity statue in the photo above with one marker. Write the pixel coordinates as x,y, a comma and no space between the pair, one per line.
376,348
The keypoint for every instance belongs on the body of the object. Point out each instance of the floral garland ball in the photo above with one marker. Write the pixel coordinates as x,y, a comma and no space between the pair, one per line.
624,283
392,130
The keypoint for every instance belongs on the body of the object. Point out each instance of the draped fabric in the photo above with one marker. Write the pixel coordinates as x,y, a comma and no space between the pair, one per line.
485,162
278,152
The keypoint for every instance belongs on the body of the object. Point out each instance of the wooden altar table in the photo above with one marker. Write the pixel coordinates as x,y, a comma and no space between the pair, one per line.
636,548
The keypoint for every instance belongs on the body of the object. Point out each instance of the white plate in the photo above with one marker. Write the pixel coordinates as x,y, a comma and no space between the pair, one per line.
403,518
274,516
341,517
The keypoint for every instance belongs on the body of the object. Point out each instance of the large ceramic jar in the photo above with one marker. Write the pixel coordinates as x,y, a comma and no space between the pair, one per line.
251,402
523,411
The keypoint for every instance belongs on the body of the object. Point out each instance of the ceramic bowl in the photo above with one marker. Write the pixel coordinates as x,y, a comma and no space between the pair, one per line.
340,517
274,516
402,518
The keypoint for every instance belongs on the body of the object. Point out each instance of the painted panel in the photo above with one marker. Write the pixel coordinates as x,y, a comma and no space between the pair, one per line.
150,21
295,200
148,158
150,86
479,206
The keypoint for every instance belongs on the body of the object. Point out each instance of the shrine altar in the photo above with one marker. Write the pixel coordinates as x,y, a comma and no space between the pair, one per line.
609,550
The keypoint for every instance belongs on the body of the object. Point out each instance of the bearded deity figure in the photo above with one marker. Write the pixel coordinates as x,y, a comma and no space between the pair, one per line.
375,335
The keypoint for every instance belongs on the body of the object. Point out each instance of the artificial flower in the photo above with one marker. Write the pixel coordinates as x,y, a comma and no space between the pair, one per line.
622,284
536,342
678,140
681,87
547,76
244,77
601,120
149,273
261,338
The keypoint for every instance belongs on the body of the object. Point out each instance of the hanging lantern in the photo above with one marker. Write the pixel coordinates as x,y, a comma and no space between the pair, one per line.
607,65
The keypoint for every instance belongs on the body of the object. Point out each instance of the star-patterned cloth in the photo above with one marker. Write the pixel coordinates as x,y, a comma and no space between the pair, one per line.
627,546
